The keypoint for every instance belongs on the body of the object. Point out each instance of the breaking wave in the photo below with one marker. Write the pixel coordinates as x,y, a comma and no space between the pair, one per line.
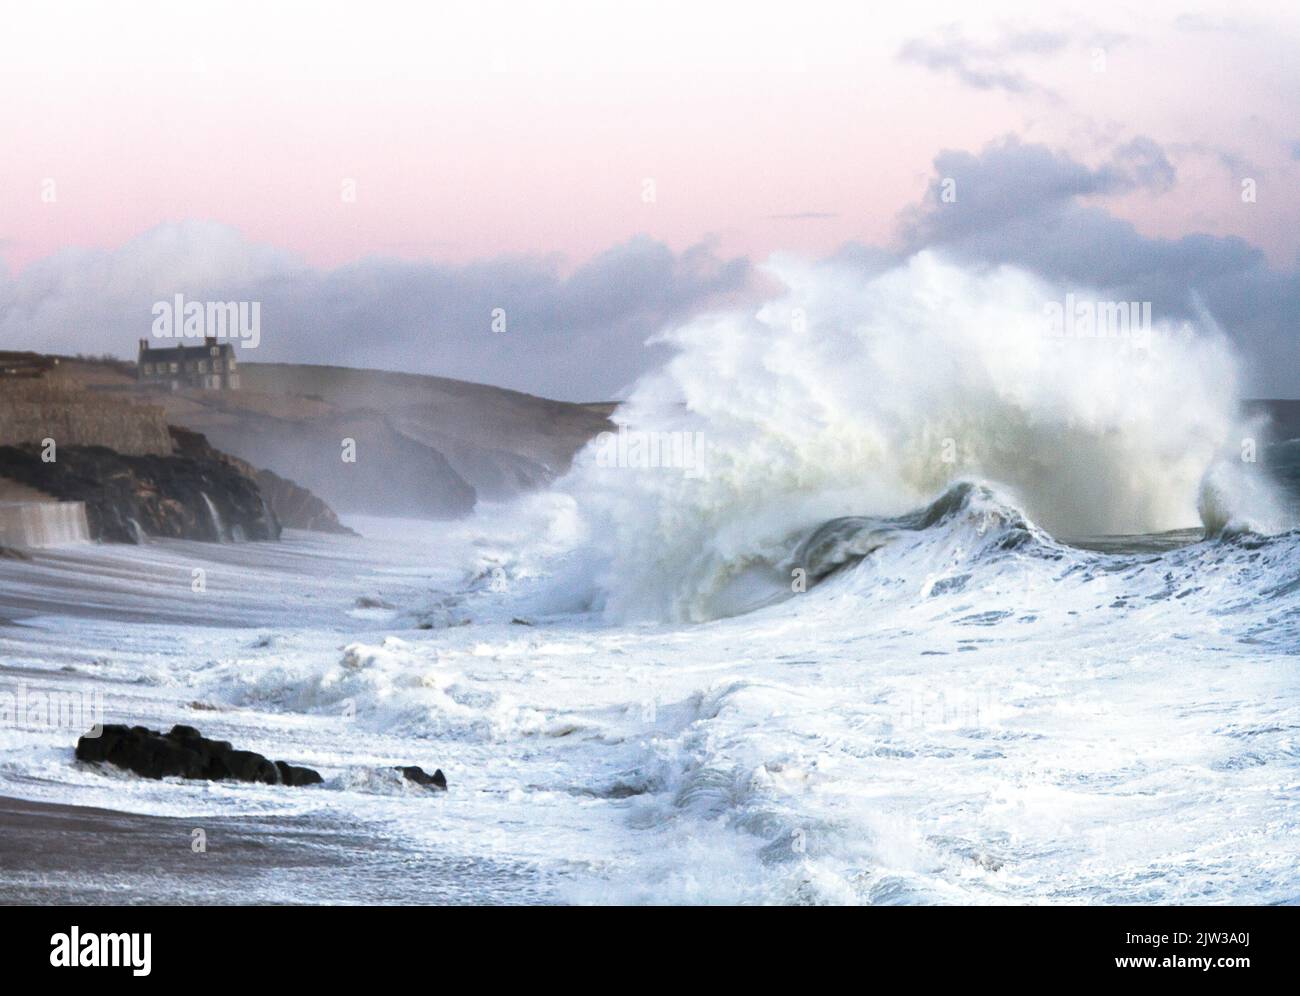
859,394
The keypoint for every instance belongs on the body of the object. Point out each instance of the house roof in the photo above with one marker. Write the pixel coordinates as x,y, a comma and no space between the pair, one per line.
178,353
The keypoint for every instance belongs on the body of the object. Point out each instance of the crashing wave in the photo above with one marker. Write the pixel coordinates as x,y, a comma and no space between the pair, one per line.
846,541
819,407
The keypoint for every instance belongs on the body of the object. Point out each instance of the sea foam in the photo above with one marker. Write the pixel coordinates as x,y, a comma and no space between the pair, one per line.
856,393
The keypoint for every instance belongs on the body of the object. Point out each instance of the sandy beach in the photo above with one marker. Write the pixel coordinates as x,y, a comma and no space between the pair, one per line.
54,854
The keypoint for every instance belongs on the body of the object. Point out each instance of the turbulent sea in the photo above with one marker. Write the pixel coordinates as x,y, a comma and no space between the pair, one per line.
947,613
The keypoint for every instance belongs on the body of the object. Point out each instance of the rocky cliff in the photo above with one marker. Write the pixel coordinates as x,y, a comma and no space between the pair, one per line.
127,498
294,506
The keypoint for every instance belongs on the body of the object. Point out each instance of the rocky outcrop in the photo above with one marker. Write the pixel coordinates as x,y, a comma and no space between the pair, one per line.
294,506
298,508
185,753
191,495
425,447
392,475
437,780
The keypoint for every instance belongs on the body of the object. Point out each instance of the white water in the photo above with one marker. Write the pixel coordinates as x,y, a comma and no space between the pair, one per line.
947,723
214,517
855,395
43,523
967,711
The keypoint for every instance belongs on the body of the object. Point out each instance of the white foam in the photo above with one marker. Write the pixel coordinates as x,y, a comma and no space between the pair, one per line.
854,394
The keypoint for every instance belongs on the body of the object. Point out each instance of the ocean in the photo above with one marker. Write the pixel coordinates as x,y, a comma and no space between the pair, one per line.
935,613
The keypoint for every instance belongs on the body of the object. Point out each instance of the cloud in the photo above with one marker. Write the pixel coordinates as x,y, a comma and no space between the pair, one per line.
1233,163
1013,181
577,336
1141,164
1028,205
985,66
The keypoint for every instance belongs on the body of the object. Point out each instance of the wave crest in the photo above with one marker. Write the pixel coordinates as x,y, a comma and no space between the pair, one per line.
865,395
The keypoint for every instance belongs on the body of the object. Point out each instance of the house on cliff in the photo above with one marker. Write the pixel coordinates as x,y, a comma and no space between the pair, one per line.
210,366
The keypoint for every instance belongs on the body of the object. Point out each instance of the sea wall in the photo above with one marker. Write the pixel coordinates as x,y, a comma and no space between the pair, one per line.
34,410
43,523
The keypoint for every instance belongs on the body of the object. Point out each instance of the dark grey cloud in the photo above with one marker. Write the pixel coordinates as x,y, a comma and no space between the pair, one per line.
1030,206
572,335
1011,179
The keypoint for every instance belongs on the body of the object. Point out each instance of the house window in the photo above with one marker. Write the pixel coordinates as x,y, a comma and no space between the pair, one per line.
148,369
203,366
176,368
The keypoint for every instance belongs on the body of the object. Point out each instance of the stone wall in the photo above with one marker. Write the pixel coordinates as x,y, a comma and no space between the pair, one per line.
35,410
43,523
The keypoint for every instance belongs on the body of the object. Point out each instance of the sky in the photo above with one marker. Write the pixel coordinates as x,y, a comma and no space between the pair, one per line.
384,175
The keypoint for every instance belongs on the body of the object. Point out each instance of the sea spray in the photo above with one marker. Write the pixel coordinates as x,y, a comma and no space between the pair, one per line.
867,394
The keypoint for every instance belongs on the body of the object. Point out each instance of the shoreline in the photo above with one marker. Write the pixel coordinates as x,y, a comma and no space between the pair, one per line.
60,854
122,620
323,574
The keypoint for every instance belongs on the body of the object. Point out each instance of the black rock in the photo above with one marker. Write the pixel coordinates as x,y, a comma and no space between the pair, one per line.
293,775
186,753
418,775
245,766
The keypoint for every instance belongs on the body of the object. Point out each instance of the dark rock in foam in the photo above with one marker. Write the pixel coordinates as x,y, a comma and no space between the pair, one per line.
437,780
186,753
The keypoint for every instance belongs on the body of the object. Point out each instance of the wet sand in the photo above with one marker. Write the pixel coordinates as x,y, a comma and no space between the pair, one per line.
54,854
243,584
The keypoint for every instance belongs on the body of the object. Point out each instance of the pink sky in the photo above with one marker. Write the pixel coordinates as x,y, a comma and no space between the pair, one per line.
473,133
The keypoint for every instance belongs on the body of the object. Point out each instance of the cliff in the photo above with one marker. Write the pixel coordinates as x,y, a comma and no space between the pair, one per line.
129,497
293,506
